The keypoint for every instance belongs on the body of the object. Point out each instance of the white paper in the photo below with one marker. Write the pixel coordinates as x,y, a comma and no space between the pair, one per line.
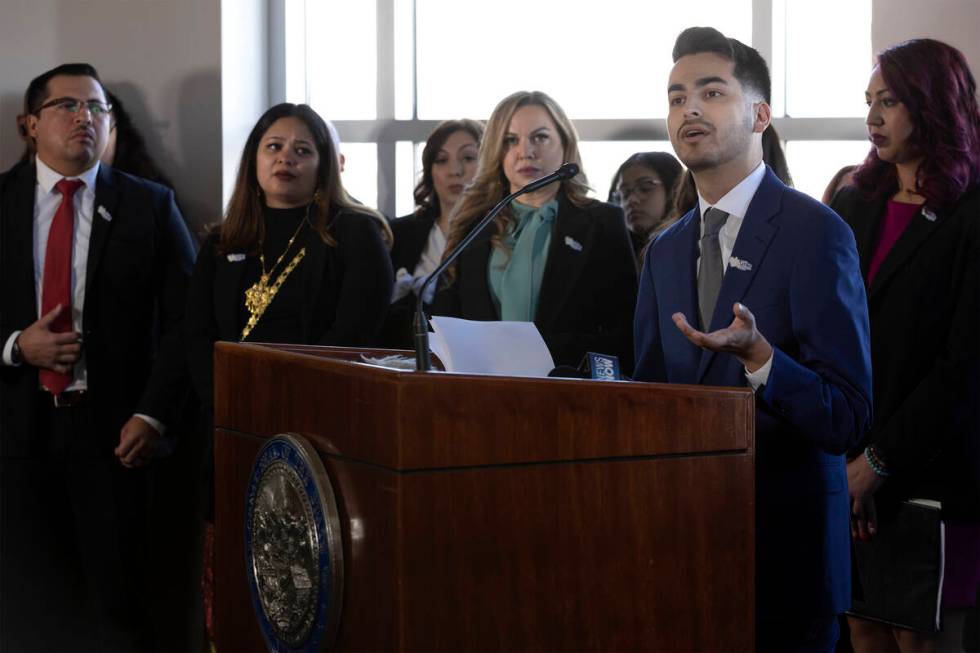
506,348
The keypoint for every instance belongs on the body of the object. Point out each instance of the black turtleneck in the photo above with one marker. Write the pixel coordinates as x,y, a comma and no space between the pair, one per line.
281,321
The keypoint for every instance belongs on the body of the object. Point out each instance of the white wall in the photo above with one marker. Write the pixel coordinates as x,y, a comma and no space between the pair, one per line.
244,79
161,57
957,22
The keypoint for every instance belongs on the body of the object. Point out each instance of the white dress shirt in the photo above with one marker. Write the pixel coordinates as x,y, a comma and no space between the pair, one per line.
47,199
736,204
430,259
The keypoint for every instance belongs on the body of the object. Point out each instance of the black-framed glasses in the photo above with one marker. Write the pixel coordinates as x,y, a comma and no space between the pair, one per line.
71,106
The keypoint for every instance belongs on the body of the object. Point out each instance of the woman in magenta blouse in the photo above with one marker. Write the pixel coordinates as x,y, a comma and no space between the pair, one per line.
915,212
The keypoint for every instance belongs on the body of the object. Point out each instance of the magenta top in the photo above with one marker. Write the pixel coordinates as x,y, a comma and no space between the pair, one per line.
898,215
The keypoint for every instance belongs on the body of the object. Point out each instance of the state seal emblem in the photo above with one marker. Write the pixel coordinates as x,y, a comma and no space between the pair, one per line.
293,547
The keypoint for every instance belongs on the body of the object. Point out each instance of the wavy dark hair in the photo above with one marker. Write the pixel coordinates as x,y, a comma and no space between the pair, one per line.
934,83
132,155
425,191
243,228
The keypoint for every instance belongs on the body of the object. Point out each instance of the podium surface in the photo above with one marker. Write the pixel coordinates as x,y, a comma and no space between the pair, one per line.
501,513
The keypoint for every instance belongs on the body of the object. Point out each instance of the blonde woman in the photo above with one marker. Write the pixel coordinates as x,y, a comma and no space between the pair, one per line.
553,257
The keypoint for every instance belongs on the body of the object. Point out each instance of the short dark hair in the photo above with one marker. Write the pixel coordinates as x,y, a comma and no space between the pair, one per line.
37,90
751,70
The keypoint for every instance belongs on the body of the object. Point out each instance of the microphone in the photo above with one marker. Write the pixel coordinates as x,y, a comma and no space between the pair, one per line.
597,367
423,363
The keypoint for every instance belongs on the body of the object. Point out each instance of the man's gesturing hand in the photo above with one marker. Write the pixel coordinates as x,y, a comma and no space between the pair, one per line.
740,338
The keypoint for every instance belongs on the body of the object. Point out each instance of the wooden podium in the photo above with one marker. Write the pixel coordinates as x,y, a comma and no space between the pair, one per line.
499,513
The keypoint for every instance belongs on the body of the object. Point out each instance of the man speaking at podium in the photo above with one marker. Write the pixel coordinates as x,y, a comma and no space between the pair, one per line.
760,286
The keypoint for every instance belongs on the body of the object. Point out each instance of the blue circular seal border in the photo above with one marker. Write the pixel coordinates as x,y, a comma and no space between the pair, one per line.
296,452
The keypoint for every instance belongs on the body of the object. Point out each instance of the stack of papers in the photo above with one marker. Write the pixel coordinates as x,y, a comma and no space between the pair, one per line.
506,348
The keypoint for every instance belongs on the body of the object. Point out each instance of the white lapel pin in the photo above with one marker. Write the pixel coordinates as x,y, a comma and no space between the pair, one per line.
739,264
574,244
105,214
235,257
929,215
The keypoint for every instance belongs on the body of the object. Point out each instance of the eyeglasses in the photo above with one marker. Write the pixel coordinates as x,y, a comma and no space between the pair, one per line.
643,188
71,106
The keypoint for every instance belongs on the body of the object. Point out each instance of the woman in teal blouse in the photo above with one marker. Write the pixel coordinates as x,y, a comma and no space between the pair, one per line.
554,257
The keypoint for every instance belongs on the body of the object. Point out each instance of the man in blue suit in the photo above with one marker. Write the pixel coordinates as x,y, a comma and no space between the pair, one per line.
760,286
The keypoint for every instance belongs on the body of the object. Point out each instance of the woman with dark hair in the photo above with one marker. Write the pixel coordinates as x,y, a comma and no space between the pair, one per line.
126,149
448,165
553,257
295,260
644,185
915,212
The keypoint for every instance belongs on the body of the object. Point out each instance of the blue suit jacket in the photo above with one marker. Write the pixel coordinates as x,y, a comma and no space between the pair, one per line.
802,281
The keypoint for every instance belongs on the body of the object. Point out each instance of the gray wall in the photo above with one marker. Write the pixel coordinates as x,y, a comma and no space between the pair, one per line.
956,22
161,57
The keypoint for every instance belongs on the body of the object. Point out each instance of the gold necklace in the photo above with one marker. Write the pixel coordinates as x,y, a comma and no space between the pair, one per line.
260,294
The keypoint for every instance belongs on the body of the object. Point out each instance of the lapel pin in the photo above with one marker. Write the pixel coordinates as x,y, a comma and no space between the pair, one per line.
105,214
739,264
574,244
929,215
235,257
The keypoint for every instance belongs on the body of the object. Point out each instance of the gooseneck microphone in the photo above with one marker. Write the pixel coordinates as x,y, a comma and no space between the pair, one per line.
423,363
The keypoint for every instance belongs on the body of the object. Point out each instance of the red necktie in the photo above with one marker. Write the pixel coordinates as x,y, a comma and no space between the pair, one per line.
56,284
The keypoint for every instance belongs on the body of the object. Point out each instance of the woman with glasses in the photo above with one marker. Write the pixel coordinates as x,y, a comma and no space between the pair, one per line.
915,212
553,257
448,164
644,185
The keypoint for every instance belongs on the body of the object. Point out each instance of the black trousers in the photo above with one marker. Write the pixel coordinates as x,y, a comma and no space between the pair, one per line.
72,542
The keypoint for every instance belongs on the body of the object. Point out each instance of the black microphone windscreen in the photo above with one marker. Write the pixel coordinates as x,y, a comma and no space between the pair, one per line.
568,170
567,372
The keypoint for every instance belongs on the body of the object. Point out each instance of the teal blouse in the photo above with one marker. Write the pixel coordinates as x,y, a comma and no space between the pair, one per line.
515,278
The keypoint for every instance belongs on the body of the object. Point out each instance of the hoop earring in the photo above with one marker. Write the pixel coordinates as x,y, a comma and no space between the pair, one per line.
317,196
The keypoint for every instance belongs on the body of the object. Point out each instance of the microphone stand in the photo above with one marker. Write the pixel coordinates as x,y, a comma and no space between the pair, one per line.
423,361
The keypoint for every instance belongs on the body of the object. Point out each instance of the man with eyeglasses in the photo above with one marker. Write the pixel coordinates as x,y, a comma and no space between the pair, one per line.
93,269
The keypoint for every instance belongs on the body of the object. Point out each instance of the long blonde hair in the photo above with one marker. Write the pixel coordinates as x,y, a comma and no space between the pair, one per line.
490,185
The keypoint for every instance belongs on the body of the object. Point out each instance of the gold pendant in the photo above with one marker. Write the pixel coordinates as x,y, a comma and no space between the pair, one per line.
257,297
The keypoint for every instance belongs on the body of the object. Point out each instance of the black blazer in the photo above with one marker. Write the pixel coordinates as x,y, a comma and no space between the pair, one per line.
411,233
588,293
346,287
138,265
924,306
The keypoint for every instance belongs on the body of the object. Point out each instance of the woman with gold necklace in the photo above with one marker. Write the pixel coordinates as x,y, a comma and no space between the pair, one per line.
296,259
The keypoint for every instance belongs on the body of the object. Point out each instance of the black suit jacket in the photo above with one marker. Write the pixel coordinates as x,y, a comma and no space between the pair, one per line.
347,288
411,233
924,305
588,293
139,261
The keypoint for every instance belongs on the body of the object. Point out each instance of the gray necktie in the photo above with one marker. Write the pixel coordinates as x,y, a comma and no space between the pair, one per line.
712,270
